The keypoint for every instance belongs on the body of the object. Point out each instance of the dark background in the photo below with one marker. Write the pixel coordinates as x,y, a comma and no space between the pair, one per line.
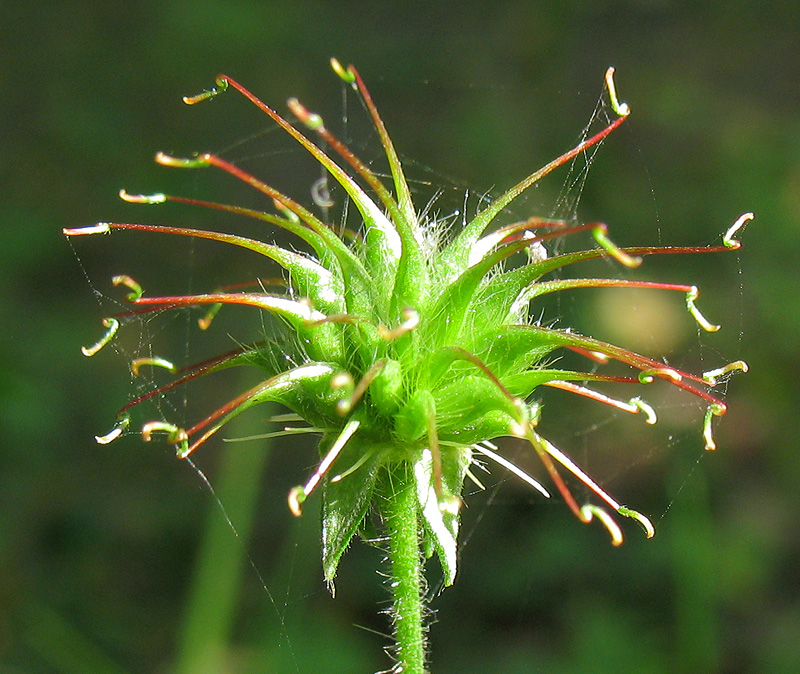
116,559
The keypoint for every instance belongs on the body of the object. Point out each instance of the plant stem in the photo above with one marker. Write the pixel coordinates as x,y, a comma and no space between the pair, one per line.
402,520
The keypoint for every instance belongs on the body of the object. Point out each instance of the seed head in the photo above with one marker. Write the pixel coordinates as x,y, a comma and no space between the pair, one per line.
406,346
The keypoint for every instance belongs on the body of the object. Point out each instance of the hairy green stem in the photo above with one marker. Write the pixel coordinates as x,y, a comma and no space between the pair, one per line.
402,520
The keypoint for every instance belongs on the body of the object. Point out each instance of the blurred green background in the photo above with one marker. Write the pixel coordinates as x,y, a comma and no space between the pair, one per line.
117,559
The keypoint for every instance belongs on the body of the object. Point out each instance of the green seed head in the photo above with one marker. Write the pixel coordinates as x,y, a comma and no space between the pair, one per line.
405,351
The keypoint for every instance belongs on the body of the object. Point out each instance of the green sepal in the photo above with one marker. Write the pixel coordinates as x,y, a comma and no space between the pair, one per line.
345,501
381,264
508,350
499,300
441,517
322,342
410,422
451,308
386,390
504,297
305,390
491,424
539,336
463,405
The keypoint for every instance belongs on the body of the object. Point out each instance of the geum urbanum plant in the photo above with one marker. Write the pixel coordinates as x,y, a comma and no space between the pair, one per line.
409,349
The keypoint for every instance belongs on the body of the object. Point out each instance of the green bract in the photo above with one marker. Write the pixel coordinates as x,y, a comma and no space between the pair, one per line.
411,349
